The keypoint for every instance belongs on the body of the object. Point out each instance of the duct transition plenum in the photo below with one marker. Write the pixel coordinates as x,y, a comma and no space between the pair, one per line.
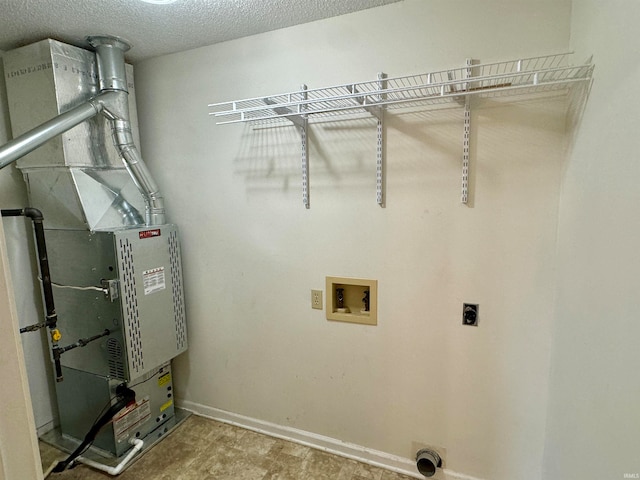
77,179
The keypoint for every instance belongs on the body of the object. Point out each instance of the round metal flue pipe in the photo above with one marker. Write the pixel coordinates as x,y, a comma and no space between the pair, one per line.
114,101
110,58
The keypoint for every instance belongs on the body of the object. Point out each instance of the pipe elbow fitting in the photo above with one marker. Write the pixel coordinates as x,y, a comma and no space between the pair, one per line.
156,211
112,104
34,214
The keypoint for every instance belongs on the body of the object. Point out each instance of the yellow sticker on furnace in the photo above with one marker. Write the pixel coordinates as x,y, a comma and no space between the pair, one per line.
164,379
166,405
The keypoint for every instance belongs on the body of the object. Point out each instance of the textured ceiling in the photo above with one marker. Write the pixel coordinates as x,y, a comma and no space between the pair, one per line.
160,29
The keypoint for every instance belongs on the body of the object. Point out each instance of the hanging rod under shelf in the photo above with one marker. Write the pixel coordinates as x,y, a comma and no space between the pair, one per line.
535,75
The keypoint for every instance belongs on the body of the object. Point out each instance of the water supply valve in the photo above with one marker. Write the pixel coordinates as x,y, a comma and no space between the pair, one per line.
55,335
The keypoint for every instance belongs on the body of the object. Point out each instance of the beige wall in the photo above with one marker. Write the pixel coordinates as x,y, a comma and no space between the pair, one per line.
11,185
19,456
22,263
252,252
593,419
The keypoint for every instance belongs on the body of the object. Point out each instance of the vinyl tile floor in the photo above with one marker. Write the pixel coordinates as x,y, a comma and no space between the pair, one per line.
204,449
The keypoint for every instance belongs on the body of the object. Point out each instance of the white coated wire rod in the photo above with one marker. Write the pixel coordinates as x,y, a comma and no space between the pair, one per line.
328,93
373,83
437,92
440,86
440,92
432,99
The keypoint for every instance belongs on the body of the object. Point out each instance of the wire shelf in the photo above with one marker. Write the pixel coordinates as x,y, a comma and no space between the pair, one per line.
529,77
535,75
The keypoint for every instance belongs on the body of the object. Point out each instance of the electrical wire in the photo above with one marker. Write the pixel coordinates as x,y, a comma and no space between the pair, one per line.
73,287
69,462
108,404
144,381
93,425
95,422
125,397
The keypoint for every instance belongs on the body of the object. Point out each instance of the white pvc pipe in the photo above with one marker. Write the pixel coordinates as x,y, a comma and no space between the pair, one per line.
137,446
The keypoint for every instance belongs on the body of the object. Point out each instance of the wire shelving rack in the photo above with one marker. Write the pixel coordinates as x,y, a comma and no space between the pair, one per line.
529,77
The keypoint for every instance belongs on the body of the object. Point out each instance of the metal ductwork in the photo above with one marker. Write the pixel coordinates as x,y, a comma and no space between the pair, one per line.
115,106
115,265
112,101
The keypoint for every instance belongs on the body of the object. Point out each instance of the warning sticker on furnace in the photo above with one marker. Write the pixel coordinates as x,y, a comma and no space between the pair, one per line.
153,280
131,418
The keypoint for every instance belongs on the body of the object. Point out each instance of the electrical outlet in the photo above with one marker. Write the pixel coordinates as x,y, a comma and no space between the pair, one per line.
316,299
470,314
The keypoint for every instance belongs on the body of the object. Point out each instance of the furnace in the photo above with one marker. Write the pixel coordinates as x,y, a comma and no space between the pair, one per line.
114,265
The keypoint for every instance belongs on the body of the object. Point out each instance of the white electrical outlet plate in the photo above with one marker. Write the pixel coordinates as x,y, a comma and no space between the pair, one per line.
316,299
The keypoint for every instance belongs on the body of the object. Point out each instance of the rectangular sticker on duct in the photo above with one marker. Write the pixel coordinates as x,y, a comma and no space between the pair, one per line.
153,280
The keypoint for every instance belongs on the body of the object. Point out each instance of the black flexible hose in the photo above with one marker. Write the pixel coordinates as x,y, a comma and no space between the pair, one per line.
125,397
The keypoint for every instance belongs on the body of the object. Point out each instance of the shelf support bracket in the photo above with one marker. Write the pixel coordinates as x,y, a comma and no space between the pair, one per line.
378,112
466,136
301,122
381,147
458,87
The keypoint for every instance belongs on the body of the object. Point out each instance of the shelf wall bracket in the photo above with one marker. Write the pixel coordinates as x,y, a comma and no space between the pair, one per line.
381,147
377,110
544,76
301,122
466,136
305,163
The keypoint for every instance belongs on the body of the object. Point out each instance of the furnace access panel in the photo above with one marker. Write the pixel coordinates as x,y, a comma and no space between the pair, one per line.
143,306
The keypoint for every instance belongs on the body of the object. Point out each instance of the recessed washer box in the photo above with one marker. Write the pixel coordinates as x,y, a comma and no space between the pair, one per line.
353,300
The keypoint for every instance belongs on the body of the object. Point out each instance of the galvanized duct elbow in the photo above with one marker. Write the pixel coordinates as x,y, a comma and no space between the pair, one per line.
113,86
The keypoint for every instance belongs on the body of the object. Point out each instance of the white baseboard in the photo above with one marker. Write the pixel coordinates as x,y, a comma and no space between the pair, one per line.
405,466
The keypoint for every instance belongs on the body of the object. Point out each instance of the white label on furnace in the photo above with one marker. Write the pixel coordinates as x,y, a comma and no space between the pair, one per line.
131,418
153,280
